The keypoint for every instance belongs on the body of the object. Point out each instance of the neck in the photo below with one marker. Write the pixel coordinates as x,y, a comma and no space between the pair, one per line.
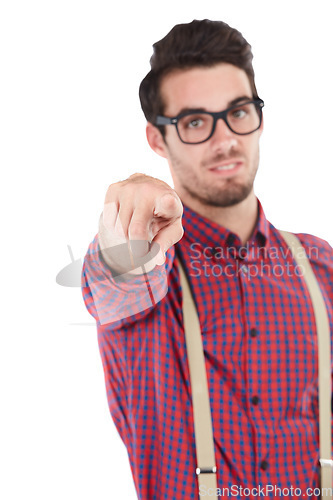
241,219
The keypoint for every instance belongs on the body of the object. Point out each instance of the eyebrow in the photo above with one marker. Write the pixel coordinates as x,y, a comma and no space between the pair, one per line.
240,99
230,104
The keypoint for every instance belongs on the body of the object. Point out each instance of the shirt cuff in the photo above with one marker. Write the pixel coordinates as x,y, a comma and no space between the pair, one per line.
121,297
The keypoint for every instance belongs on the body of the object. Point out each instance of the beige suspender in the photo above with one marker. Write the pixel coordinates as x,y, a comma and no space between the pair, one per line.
324,360
206,466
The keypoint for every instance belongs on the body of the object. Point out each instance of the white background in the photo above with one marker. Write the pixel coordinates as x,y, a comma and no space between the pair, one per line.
71,124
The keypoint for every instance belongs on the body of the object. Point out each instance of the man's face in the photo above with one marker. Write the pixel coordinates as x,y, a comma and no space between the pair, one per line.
220,171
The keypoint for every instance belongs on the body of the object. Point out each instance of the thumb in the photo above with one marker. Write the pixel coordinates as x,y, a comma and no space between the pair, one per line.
168,205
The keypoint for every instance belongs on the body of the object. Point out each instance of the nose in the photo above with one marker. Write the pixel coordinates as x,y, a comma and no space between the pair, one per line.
223,139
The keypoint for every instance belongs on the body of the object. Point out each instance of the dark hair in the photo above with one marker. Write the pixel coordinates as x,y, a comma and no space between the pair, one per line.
199,43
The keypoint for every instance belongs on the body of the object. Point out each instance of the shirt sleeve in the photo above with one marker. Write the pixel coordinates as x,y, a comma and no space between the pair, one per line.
123,299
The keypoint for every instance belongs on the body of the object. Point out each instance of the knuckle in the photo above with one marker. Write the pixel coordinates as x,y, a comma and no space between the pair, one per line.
138,176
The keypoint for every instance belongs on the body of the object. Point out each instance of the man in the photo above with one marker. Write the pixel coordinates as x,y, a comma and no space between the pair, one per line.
257,323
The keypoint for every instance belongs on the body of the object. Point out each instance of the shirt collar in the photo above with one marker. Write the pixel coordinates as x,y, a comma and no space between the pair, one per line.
208,233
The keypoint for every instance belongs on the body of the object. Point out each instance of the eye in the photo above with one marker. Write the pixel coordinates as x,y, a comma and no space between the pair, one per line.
239,113
194,123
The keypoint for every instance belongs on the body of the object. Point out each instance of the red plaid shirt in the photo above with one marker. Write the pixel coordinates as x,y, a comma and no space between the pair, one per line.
260,346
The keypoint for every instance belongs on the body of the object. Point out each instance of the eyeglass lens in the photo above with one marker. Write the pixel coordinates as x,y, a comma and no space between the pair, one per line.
197,127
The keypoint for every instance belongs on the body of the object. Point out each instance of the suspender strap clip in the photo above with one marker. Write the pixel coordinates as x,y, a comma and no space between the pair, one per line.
206,470
324,462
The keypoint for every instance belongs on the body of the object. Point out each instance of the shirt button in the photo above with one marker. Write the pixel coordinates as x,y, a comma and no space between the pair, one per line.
214,251
253,332
244,269
264,465
255,400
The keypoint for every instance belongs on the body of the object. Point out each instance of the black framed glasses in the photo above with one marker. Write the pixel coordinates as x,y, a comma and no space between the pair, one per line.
197,126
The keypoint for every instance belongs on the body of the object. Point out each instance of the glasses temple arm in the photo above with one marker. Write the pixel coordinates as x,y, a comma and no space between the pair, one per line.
164,120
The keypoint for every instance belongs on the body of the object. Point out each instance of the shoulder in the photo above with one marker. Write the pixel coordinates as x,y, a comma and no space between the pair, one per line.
317,249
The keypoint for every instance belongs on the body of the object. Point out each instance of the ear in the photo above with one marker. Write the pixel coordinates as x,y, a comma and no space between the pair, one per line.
155,140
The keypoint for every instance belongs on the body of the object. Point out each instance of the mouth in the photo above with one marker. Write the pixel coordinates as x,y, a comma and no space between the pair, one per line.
227,168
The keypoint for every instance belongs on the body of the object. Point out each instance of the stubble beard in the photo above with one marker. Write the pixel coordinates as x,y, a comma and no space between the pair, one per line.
228,195
231,194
